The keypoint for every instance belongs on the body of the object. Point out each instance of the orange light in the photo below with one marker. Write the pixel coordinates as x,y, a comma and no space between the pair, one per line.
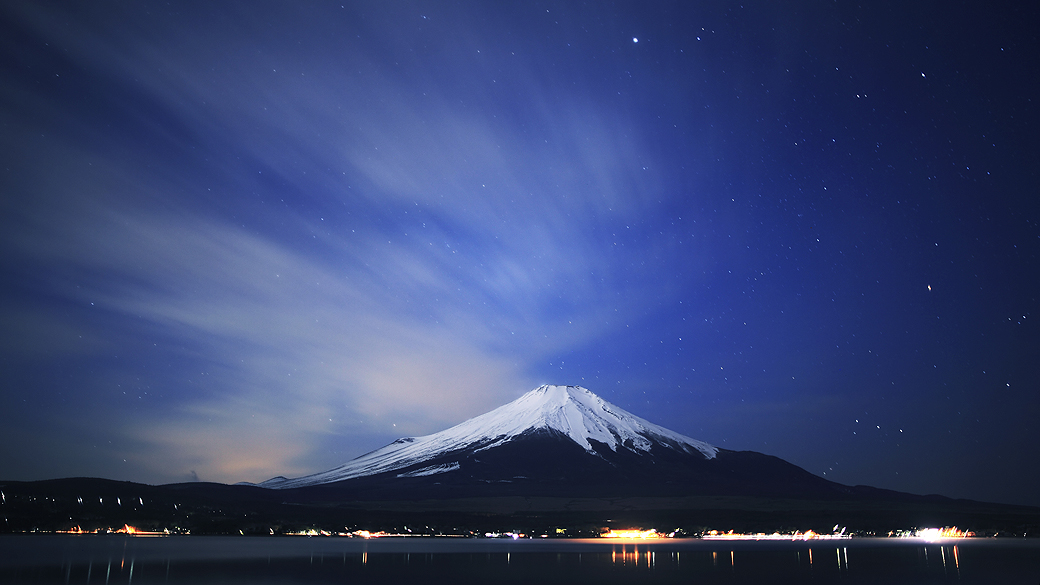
641,534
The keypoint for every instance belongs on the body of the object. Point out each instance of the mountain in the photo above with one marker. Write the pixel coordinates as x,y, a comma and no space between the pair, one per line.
567,411
556,441
557,456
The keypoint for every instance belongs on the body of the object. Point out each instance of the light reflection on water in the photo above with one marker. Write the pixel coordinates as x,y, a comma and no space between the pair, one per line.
128,560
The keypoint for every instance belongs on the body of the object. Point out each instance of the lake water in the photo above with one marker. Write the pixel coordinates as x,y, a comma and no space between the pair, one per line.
116,559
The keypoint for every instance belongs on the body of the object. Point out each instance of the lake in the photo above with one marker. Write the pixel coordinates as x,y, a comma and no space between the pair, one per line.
119,559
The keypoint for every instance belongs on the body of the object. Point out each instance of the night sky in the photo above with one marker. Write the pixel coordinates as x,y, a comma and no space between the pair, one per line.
240,240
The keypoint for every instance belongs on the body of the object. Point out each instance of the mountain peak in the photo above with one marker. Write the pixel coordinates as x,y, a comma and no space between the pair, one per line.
571,411
578,413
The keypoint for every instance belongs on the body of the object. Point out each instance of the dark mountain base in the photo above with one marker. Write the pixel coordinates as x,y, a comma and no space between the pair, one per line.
221,509
546,463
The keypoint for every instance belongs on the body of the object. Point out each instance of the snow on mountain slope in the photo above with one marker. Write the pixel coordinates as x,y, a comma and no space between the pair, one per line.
570,410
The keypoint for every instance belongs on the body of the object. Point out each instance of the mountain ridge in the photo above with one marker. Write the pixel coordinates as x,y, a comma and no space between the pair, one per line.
558,455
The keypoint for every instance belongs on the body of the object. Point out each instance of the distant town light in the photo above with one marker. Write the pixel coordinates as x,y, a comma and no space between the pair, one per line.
642,534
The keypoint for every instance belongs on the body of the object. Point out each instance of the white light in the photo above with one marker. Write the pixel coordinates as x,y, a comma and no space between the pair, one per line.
931,534
635,40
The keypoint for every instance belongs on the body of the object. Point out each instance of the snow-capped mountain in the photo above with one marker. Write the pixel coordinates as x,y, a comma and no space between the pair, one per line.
572,412
554,441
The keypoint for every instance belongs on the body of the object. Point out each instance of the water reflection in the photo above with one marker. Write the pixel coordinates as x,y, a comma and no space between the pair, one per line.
634,556
954,558
126,560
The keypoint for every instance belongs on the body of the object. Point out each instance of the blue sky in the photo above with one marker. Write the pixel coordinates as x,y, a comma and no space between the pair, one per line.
258,239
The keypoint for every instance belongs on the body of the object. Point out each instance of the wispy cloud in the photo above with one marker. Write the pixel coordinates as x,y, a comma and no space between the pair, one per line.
372,263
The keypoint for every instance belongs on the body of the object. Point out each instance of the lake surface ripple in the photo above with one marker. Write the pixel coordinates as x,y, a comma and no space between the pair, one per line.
117,559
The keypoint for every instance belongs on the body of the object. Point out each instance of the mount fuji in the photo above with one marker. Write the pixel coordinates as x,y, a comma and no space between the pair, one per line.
558,440
558,455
